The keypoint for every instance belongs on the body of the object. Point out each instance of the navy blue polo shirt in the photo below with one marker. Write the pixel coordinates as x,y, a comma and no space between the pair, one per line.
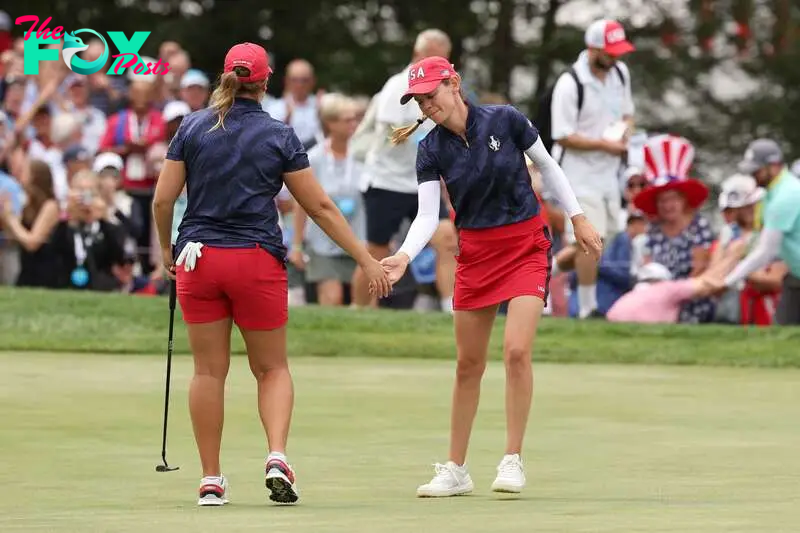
233,175
486,177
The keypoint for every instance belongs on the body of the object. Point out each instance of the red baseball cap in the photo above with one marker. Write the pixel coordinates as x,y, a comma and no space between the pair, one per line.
608,35
251,56
425,75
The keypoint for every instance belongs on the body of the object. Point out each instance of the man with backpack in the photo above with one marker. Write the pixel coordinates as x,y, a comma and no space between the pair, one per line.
590,119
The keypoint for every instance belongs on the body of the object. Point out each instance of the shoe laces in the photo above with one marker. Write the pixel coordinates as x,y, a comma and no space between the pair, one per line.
510,465
443,472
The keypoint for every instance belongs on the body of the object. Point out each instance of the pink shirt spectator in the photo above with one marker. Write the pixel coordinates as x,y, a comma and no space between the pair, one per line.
652,303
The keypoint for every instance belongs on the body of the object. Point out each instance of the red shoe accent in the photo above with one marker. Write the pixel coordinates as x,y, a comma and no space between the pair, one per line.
282,466
212,488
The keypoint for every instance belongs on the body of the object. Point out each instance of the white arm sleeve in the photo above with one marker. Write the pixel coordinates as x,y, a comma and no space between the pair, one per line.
554,178
766,250
426,221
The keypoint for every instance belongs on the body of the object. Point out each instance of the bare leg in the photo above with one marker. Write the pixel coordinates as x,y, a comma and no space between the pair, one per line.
524,313
211,345
266,351
330,293
473,330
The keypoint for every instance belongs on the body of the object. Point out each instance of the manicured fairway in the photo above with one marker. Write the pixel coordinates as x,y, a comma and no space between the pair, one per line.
610,448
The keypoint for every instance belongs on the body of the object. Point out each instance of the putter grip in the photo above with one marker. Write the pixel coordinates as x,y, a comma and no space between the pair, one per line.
172,294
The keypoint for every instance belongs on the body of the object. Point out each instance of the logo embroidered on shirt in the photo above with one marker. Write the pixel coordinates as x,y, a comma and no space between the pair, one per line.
494,144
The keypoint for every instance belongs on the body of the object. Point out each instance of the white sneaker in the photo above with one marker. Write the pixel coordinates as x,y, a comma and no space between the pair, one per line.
280,480
213,491
510,477
450,480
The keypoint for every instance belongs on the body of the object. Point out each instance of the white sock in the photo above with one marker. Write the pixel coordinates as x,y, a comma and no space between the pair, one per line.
276,455
587,299
447,305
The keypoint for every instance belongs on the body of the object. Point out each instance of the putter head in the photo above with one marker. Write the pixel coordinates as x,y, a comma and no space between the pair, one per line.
165,468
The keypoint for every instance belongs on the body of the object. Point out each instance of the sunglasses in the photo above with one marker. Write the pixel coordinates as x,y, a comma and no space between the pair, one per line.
637,184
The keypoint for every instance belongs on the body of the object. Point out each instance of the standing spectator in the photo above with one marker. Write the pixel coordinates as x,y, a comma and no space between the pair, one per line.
298,106
92,121
194,89
34,228
14,196
780,228
130,133
106,93
590,141
337,171
390,178
53,138
679,237
120,207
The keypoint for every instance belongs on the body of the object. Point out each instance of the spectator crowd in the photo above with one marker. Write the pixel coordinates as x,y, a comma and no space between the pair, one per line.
80,156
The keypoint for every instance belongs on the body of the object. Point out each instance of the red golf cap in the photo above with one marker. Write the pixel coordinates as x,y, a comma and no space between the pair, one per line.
608,35
425,75
251,56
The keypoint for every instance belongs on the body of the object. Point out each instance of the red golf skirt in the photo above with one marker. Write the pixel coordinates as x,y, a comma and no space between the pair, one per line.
497,264
248,284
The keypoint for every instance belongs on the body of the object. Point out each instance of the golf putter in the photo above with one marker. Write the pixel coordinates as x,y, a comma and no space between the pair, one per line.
164,467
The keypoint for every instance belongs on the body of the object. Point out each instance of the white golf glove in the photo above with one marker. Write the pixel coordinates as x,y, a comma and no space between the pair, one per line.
189,255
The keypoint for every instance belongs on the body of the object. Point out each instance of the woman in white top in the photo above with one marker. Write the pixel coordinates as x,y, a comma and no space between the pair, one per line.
324,262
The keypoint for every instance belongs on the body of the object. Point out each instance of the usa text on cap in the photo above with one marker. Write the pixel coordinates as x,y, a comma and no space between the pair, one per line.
609,36
425,75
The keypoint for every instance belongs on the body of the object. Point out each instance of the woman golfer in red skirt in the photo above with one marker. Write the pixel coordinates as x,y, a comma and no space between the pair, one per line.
233,159
504,250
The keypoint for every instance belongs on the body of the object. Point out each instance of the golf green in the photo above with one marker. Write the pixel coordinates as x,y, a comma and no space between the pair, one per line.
609,448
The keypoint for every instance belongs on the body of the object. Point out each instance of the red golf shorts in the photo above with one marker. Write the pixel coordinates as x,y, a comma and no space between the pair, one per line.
248,284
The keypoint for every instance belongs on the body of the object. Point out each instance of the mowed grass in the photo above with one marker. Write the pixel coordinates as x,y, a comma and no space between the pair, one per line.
63,321
609,449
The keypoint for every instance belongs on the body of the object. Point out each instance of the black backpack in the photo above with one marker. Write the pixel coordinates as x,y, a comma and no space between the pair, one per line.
544,110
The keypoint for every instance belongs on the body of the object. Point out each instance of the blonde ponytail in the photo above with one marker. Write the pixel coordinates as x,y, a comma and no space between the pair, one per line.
401,135
221,99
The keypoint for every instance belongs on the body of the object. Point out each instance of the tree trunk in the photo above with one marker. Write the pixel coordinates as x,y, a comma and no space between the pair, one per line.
503,49
544,64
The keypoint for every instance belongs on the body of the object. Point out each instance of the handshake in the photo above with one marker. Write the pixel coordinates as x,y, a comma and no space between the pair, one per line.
385,273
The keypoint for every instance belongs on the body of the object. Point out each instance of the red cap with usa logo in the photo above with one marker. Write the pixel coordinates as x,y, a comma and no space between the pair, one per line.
425,75
609,36
252,57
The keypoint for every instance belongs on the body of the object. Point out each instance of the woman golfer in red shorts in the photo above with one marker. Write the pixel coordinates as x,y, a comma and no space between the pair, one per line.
504,250
233,159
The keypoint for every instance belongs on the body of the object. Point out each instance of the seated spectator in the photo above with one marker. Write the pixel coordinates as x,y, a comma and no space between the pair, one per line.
614,272
657,297
88,245
738,199
34,228
679,236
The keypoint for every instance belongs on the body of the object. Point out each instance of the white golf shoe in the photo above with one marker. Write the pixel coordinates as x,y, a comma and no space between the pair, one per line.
280,479
213,491
510,476
450,480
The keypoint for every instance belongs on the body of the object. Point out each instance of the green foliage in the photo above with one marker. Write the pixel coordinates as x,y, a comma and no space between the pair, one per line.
356,44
